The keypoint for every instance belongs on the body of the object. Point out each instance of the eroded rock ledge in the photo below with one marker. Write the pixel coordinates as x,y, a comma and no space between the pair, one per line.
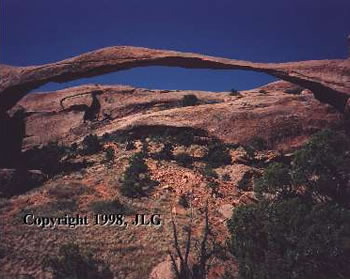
284,120
329,80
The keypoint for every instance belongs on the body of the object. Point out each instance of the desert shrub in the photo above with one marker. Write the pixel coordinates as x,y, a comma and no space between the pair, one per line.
217,155
246,182
145,148
184,160
189,100
91,145
166,153
250,153
136,181
109,154
291,239
262,91
208,171
74,147
234,92
294,90
323,165
213,185
275,180
183,201
130,145
72,263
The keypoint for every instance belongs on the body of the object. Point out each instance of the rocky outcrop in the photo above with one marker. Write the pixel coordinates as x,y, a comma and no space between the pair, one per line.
328,79
283,120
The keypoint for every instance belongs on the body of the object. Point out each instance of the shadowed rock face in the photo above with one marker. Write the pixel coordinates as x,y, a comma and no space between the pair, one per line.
329,80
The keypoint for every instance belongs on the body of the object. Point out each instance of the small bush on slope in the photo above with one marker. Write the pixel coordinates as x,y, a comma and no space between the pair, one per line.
184,160
91,145
217,155
136,181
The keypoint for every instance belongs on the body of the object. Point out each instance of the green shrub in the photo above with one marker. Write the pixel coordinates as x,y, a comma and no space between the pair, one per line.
213,185
136,181
323,165
72,263
234,92
130,145
74,147
207,171
217,155
291,239
183,201
184,159
109,154
91,145
166,153
189,100
246,182
275,180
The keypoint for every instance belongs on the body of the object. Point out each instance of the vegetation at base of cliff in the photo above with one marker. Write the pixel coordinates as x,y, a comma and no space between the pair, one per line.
300,226
72,263
136,181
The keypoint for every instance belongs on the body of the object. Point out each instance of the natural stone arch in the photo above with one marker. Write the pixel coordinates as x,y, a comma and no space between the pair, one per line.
329,80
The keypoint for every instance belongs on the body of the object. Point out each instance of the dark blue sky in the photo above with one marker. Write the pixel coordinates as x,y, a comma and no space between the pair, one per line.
42,31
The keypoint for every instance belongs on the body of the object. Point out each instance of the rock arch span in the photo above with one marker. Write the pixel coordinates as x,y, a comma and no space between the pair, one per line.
329,80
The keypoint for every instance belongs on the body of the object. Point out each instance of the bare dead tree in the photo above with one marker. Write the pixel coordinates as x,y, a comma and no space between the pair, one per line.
200,267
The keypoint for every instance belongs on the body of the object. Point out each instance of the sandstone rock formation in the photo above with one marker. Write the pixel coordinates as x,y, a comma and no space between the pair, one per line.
283,120
328,79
